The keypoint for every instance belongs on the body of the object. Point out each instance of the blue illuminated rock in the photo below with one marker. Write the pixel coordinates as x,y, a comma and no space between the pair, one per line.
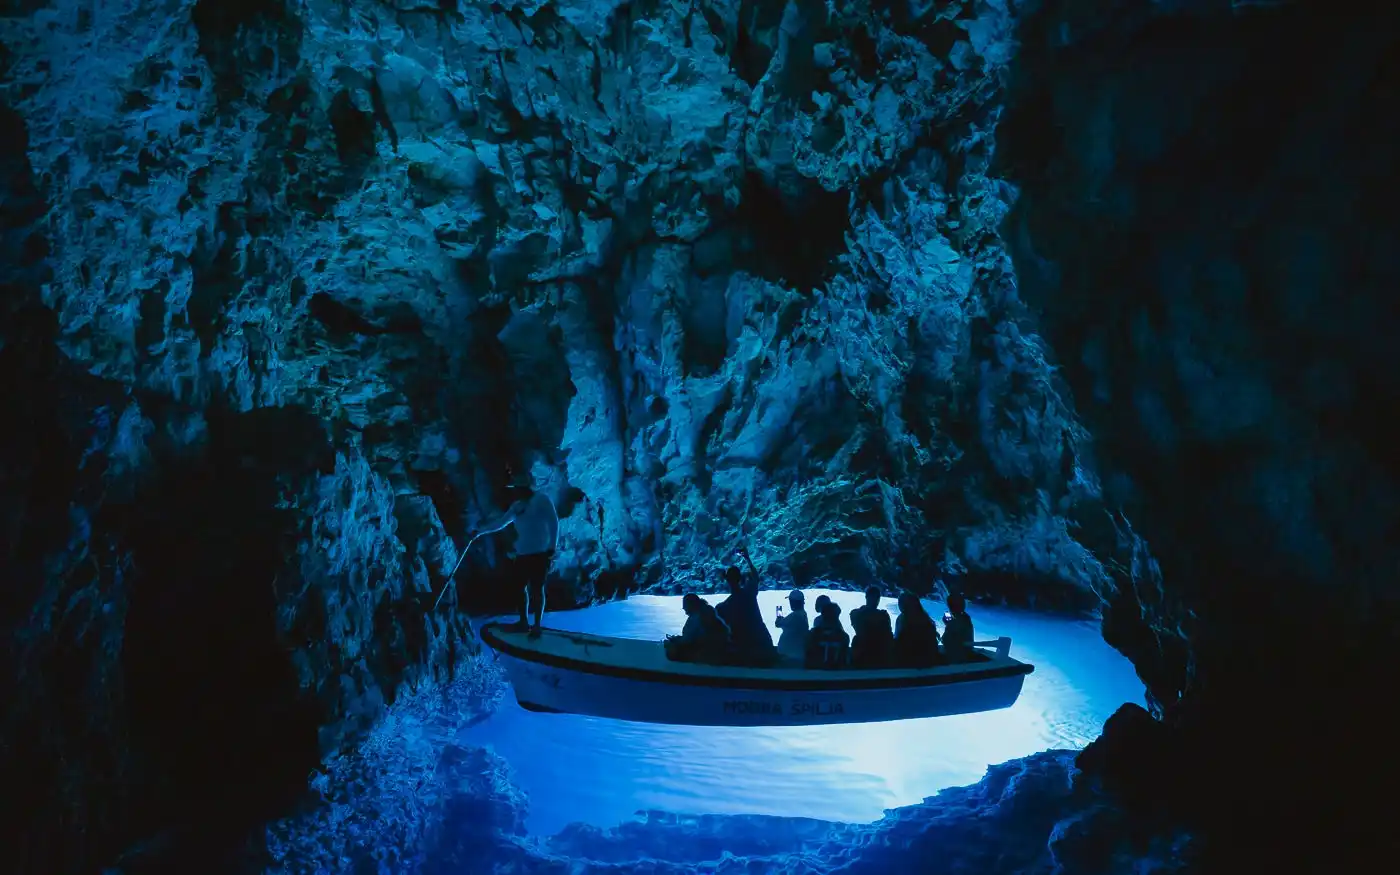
289,286
312,276
1026,816
717,276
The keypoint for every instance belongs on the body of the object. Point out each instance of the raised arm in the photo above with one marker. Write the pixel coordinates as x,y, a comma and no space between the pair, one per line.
748,560
753,582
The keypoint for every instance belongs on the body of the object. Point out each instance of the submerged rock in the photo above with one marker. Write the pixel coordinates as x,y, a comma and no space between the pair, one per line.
1027,816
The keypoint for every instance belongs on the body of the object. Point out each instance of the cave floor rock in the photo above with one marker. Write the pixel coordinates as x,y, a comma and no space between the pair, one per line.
1025,816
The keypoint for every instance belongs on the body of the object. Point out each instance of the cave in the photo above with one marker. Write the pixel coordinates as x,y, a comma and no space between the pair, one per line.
791,237
188,651
237,39
1081,310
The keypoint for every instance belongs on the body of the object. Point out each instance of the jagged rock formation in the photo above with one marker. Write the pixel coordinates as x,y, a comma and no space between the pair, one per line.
712,272
306,278
289,285
1204,221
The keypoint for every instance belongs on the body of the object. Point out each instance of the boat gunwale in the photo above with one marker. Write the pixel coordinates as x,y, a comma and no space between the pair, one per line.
834,681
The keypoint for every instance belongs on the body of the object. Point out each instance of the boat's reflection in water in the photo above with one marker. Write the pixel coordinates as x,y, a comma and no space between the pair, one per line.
601,771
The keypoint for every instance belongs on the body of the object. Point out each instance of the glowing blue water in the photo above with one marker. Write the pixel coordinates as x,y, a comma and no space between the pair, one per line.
585,769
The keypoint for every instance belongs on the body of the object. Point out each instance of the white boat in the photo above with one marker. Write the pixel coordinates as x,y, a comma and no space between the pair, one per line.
628,679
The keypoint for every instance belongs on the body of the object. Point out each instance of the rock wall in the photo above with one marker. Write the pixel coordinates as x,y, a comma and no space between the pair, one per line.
295,283
711,272
289,286
200,601
1204,222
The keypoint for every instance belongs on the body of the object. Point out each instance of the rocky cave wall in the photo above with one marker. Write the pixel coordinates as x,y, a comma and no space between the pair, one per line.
1205,225
289,286
709,272
296,283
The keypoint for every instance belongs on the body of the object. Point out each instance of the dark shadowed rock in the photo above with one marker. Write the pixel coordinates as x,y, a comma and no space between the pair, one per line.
1205,225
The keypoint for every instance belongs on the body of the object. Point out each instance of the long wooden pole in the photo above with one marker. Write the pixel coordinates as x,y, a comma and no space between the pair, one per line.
452,578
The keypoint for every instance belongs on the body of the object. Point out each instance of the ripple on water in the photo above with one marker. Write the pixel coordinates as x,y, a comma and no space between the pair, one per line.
601,772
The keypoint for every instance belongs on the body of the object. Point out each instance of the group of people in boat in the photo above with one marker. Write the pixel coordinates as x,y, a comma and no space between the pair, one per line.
735,633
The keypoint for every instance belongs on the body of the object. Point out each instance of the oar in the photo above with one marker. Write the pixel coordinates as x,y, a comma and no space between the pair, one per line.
452,578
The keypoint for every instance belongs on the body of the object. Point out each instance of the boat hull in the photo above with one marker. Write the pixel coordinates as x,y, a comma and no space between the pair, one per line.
551,688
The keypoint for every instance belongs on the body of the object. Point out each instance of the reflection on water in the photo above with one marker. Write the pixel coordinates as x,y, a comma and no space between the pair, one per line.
601,772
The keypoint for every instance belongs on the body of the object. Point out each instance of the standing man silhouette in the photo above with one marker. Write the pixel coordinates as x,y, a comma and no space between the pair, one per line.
536,535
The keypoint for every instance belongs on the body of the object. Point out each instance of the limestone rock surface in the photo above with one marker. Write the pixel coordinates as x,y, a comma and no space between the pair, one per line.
984,292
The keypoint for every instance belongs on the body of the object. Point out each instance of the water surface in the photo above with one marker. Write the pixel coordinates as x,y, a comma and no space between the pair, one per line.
591,770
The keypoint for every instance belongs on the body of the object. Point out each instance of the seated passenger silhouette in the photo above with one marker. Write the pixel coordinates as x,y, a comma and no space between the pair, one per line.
873,638
704,638
915,635
751,643
957,630
817,606
828,645
792,644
